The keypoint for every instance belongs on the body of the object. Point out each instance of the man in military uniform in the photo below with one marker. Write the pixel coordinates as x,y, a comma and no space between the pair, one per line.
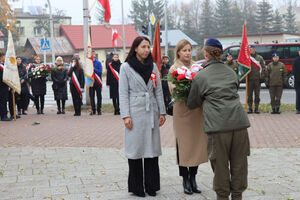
231,63
254,78
3,91
296,73
276,78
225,122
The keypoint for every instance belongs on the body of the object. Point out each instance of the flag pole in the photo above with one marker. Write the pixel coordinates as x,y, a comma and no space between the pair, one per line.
246,92
14,104
123,31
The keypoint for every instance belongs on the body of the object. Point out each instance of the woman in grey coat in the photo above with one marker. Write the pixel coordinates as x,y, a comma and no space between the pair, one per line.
143,111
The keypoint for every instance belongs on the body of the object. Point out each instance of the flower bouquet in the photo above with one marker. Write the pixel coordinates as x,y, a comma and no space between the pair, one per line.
182,79
40,71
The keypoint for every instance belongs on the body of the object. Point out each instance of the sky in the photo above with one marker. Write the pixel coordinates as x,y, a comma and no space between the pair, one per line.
73,8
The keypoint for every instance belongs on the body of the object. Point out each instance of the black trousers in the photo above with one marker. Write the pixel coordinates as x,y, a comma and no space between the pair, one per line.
138,172
298,99
188,171
116,103
3,102
76,100
63,102
39,99
92,91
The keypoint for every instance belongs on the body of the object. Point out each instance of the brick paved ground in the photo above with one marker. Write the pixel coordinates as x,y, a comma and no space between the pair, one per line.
107,130
78,158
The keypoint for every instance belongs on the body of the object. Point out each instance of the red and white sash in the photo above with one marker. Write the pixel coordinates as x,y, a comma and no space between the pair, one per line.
154,79
98,79
76,83
1,66
256,63
115,73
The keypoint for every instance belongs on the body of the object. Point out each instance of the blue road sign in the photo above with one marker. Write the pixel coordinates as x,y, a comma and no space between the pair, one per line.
45,45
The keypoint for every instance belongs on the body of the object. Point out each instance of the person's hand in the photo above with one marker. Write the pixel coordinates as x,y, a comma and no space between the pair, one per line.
128,122
162,120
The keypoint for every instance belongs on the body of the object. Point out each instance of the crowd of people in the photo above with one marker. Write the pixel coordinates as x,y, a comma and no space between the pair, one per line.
34,86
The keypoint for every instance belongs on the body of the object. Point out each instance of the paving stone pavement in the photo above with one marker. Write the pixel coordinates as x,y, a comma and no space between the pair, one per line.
88,173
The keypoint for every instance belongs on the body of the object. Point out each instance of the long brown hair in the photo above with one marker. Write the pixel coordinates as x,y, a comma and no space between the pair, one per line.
214,52
137,41
180,45
77,63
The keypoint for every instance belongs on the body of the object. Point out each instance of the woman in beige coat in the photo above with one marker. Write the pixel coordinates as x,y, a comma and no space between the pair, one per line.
188,128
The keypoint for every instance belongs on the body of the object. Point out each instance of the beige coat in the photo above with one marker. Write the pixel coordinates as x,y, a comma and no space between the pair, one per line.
191,141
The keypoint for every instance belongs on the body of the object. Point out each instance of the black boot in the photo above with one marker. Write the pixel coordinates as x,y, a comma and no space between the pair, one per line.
256,111
278,110
194,184
187,188
250,111
63,107
24,112
273,111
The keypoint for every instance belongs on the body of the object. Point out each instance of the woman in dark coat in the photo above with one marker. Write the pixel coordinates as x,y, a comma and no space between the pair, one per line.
60,77
76,85
23,98
113,82
38,86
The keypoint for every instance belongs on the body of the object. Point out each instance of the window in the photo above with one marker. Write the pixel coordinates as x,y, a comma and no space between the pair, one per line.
265,51
20,30
37,31
294,51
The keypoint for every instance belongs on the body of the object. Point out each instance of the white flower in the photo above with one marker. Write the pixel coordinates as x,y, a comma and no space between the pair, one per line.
33,73
38,73
182,70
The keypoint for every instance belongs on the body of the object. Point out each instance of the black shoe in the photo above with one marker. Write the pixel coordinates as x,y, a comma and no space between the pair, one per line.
140,194
250,111
273,111
277,110
5,119
38,112
256,111
19,112
76,114
151,193
115,113
298,112
194,185
42,112
187,188
99,113
58,112
24,112
63,111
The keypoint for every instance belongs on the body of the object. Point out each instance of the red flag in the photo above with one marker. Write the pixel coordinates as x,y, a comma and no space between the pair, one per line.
106,6
244,60
156,47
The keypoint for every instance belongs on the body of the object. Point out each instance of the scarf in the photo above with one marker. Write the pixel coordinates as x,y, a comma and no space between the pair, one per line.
143,69
116,65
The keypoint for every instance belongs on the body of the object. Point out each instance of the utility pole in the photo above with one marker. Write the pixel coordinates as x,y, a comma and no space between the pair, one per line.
123,30
166,27
85,35
51,33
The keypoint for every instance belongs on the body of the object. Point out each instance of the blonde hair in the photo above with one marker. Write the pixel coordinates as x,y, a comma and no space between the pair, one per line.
180,45
214,52
59,58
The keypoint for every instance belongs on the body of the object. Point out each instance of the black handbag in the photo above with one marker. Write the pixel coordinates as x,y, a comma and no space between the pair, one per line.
169,108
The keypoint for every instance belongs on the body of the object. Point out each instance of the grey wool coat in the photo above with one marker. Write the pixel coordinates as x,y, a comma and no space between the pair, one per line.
144,104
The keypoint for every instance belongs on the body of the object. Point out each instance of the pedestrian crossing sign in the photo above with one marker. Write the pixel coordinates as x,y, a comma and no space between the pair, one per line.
45,45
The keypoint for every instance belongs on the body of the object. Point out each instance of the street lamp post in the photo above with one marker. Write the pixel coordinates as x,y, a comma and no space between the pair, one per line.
51,33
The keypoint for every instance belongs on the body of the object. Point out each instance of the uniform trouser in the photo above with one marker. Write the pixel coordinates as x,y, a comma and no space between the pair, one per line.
116,103
275,95
76,100
92,91
298,99
188,171
39,99
3,103
253,86
137,173
227,152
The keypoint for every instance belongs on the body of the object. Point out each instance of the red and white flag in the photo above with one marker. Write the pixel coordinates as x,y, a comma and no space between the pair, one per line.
106,6
256,64
115,36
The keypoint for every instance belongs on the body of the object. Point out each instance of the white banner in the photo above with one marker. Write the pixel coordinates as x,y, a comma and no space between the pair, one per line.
11,74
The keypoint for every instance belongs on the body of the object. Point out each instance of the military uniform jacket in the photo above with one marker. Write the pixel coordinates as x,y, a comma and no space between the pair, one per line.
233,65
216,89
276,74
255,74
